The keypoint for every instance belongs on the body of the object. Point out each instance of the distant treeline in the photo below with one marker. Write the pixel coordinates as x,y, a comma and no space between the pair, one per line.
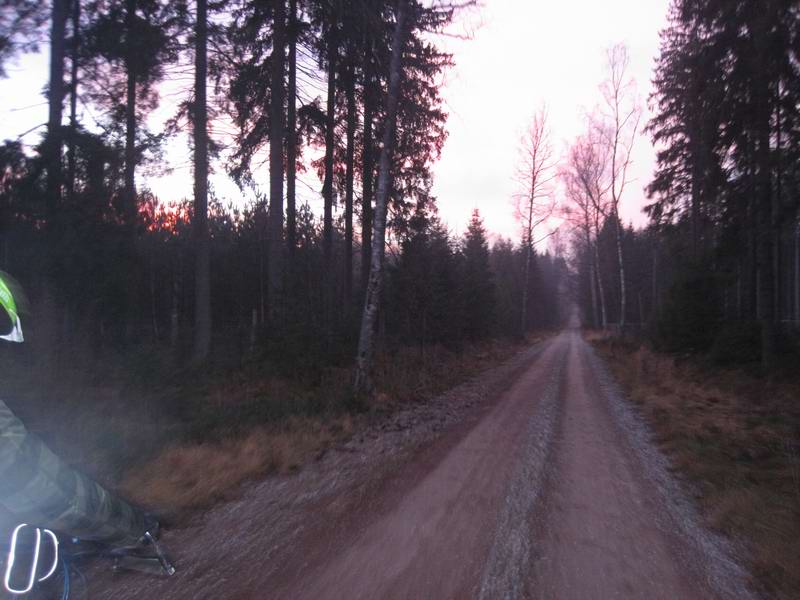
441,288
719,266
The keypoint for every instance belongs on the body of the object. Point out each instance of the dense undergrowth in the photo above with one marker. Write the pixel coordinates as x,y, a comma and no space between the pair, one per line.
734,434
176,440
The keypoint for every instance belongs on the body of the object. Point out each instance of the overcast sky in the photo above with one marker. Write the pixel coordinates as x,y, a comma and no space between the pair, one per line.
527,53
522,53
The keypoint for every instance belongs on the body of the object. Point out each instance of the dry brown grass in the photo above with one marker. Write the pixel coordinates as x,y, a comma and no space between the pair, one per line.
596,335
412,374
181,443
736,438
192,476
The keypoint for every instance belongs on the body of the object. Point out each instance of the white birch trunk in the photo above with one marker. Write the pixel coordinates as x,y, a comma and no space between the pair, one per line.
622,291
366,343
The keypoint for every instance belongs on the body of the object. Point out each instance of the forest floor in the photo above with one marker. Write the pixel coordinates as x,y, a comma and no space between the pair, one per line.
181,441
734,438
533,479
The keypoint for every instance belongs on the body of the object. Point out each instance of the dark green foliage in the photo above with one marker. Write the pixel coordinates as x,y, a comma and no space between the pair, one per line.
477,285
736,343
445,291
424,305
727,125
546,296
689,319
641,252
549,296
508,265
150,40
124,282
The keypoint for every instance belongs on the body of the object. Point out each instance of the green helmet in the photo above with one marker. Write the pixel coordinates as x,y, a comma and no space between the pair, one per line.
13,331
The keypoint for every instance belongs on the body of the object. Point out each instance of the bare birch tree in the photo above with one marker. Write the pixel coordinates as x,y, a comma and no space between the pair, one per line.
585,183
617,124
534,202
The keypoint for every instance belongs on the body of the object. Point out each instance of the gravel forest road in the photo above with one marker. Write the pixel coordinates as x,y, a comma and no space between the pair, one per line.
538,481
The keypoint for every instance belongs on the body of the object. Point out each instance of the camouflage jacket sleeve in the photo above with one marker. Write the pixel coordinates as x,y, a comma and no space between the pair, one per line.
38,488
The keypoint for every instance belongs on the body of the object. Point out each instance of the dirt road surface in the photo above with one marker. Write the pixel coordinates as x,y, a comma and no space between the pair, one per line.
536,480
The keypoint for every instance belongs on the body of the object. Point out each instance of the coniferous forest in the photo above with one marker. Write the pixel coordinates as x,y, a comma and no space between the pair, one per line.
717,269
623,366
269,90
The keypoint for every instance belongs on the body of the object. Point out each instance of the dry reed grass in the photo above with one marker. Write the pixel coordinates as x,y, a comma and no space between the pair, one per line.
192,476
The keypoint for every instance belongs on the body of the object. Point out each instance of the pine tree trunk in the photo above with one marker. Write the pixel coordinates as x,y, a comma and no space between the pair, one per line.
656,303
327,187
53,183
528,252
592,288
621,263
130,208
261,218
366,177
202,289
366,344
174,314
739,307
695,195
130,118
765,221
598,272
253,329
349,176
777,246
153,308
526,282
55,103
765,279
73,98
276,144
751,288
797,275
777,273
291,134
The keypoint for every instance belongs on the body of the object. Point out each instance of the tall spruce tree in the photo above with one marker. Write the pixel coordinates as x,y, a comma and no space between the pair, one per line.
477,286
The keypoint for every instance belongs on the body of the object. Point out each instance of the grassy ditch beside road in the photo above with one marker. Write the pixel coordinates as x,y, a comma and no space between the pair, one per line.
736,438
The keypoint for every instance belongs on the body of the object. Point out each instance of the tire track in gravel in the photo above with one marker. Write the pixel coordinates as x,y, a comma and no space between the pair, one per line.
439,536
707,556
614,523
506,568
